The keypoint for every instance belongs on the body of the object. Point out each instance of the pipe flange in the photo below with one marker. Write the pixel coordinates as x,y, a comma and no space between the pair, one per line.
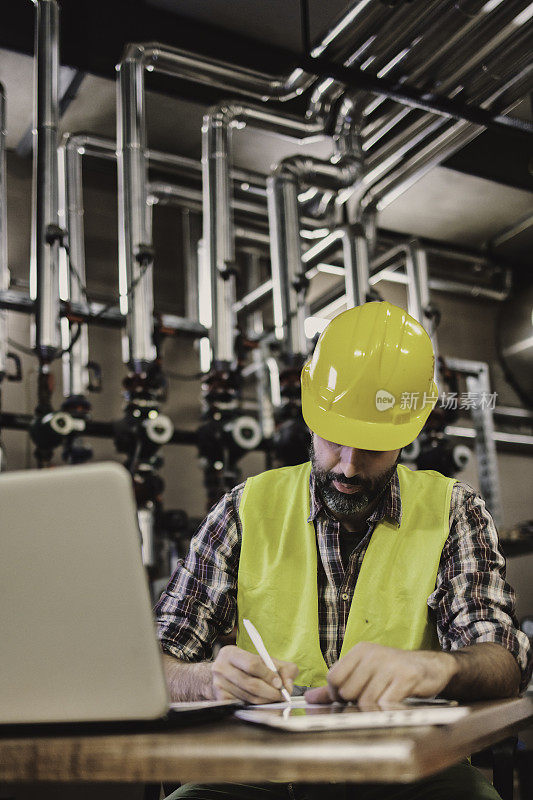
246,432
159,430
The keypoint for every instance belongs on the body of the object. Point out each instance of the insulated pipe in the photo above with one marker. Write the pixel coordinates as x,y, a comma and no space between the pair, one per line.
286,256
510,232
418,300
44,270
4,269
192,231
454,76
440,41
159,192
135,243
259,354
217,239
201,69
365,14
454,137
310,258
135,256
217,218
356,265
380,160
75,372
100,147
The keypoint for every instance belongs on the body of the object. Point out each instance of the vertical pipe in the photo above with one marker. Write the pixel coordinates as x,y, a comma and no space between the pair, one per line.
253,280
44,269
76,376
4,269
418,300
135,252
286,257
260,354
192,233
145,517
414,306
217,232
356,265
205,307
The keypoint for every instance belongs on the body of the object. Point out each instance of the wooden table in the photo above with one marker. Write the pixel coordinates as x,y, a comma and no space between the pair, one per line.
235,751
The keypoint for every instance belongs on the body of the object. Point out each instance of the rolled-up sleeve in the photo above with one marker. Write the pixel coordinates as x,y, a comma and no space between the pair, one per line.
472,600
200,600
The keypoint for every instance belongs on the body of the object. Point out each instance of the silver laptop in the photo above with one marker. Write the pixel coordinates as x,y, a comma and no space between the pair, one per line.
78,640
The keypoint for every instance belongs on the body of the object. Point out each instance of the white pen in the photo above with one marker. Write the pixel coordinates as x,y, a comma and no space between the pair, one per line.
258,643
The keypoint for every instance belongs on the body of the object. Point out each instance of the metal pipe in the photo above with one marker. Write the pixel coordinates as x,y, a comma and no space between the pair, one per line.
131,145
356,265
4,268
100,147
466,69
44,267
454,137
161,192
192,232
382,160
437,43
218,224
135,261
330,243
365,14
418,300
217,237
201,69
259,354
250,235
285,256
357,80
132,170
75,361
500,437
510,232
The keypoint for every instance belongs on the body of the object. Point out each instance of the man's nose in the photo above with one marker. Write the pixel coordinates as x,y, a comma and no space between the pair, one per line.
349,461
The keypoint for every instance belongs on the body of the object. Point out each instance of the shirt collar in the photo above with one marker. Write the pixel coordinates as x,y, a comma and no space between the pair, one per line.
390,506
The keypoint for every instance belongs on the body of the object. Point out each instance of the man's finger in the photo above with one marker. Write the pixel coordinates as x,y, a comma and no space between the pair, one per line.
369,698
354,683
340,672
223,686
318,695
257,690
253,665
287,669
396,692
288,672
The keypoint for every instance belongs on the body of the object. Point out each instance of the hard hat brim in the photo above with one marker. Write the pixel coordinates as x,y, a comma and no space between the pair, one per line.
359,433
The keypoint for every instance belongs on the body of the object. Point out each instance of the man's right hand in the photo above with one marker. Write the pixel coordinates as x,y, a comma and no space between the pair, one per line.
237,674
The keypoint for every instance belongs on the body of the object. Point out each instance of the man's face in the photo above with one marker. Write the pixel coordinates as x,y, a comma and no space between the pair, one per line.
350,480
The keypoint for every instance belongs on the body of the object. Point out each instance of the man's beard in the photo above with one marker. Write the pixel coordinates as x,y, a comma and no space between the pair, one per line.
349,505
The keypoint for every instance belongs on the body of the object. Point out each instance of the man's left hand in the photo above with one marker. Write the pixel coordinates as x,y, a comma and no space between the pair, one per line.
375,676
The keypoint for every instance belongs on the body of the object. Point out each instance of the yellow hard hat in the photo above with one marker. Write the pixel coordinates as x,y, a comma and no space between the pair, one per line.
369,383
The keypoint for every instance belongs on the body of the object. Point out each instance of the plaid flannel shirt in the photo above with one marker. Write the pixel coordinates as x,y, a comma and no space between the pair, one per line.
471,603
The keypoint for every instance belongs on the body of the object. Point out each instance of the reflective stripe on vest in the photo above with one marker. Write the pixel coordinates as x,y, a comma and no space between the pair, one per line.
277,579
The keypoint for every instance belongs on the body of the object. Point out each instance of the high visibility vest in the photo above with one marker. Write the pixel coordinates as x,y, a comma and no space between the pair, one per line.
277,578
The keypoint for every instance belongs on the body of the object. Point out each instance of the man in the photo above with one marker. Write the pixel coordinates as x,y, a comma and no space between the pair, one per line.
368,581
